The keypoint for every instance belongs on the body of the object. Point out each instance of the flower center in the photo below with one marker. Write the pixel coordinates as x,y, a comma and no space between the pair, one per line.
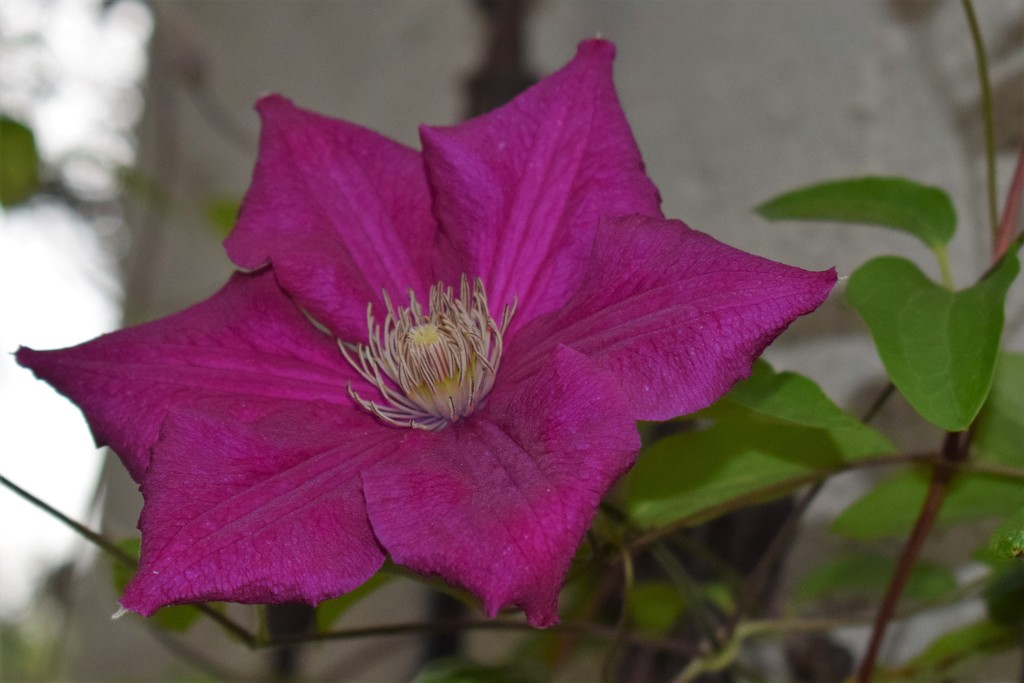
434,368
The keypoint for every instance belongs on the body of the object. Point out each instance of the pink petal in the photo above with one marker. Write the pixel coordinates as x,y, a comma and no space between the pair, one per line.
499,503
519,191
340,211
675,315
248,340
262,511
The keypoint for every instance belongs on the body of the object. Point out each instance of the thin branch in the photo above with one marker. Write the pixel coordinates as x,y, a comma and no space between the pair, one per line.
685,585
254,641
611,658
120,555
221,119
754,588
760,627
992,468
250,639
597,630
82,530
880,401
756,628
192,657
986,115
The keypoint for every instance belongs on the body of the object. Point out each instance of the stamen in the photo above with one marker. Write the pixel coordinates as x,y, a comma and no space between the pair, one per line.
430,369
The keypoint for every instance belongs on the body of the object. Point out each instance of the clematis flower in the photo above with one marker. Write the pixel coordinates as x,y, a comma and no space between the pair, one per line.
437,356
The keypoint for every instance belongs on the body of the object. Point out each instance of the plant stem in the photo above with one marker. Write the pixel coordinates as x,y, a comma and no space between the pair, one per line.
879,403
923,526
611,658
944,271
228,624
768,627
191,656
121,556
954,452
82,530
986,113
254,641
993,468
1010,210
714,662
754,588
585,628
686,587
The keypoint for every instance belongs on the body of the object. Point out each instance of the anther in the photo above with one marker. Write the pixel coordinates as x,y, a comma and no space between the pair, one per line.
431,369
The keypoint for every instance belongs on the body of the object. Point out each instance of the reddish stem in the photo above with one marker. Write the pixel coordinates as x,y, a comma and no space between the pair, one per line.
954,451
930,509
1010,211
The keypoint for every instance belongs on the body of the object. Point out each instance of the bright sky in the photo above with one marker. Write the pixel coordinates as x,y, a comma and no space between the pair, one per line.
72,74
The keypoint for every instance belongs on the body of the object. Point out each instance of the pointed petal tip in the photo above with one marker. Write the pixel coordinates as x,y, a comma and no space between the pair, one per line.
272,104
827,279
597,47
23,356
542,619
41,363
537,615
132,600
271,99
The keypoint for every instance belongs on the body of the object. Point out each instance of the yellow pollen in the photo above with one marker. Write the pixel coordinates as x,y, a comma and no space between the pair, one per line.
424,335
430,369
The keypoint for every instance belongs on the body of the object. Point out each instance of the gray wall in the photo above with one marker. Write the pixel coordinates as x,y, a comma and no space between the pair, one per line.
732,101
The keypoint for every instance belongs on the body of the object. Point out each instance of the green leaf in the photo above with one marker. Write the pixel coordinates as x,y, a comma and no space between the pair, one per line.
770,435
177,618
925,212
867,575
938,347
792,399
891,508
457,670
964,643
19,162
1004,594
999,431
1008,540
121,572
329,611
695,476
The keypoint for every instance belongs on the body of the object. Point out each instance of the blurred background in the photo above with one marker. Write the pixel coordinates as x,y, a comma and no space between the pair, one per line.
128,139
